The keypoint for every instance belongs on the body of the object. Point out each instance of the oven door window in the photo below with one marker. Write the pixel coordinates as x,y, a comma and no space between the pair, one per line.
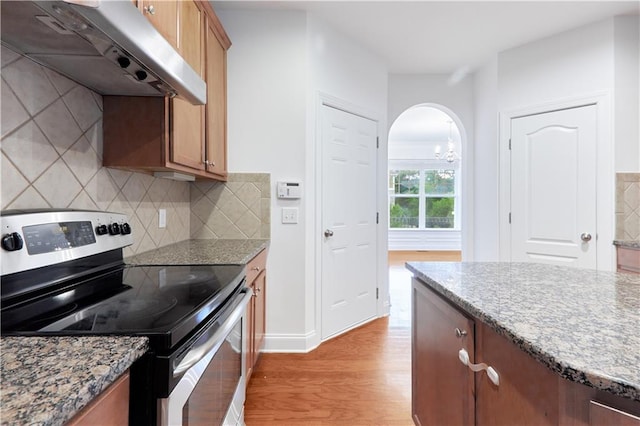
203,396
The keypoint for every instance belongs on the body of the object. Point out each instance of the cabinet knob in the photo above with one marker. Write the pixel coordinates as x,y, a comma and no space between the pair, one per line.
150,9
255,268
460,333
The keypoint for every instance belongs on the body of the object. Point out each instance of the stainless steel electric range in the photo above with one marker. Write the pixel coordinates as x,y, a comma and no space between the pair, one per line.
63,273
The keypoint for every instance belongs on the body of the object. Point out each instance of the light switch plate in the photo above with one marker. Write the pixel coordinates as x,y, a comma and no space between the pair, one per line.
289,215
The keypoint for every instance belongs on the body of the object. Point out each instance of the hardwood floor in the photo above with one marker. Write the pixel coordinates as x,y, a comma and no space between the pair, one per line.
360,378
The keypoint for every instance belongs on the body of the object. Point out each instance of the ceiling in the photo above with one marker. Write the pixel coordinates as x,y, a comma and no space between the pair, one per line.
446,37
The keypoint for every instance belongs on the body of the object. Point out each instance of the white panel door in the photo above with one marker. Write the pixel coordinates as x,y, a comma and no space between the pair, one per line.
349,277
553,187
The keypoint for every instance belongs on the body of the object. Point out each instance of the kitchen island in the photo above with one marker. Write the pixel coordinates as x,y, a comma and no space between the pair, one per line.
48,380
580,326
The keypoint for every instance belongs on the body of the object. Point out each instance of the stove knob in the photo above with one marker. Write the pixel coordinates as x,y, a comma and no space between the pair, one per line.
114,229
101,229
125,228
141,75
12,242
123,61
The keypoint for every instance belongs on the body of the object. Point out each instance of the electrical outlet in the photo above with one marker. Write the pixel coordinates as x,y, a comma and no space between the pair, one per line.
289,215
162,218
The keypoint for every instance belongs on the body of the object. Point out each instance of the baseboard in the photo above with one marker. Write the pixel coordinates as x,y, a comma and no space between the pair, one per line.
291,343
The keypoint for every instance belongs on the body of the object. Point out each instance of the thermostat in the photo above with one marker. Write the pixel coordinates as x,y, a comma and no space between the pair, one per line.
289,190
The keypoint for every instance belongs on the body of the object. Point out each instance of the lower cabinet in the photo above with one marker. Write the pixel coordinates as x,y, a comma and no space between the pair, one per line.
522,392
442,387
256,312
110,408
628,259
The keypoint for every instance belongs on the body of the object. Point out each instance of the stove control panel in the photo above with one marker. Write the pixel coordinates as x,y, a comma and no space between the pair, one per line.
36,238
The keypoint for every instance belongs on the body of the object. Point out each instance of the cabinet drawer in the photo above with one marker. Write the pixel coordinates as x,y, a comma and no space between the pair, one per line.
628,260
256,265
603,415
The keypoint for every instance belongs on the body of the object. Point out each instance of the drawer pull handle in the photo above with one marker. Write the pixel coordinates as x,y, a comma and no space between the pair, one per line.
463,355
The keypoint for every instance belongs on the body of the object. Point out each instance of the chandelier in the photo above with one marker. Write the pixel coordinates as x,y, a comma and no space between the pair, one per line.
451,155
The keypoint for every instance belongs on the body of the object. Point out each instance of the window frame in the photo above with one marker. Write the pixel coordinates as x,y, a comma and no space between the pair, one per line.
422,166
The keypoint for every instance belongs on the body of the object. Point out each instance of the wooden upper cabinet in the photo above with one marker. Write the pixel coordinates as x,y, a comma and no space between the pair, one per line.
187,121
216,111
164,17
160,134
190,24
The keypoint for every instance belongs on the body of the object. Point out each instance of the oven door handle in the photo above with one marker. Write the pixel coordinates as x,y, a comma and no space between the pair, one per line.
213,344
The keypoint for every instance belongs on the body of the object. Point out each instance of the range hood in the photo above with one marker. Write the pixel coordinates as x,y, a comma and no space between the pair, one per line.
106,45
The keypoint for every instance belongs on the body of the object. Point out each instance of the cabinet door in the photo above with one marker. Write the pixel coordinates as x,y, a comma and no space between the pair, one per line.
110,408
187,121
163,15
528,393
603,415
442,387
249,356
628,260
216,110
190,33
260,312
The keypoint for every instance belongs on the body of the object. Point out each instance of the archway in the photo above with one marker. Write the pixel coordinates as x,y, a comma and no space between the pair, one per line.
425,170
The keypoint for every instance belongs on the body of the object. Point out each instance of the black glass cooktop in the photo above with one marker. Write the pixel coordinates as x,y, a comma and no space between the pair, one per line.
164,303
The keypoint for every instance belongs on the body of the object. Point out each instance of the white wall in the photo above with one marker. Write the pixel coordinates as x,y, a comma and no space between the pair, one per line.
278,64
485,178
570,64
346,73
267,74
599,59
627,93
407,90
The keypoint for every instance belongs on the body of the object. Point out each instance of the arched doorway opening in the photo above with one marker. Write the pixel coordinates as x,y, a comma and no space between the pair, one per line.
425,180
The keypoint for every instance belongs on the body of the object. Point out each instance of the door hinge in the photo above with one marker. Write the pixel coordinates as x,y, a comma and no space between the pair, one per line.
377,218
377,142
509,144
509,217
377,293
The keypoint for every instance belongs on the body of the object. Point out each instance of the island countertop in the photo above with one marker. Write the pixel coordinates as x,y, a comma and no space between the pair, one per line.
582,324
47,380
202,252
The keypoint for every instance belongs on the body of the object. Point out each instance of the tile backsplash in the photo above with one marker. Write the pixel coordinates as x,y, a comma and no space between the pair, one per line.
51,153
628,206
239,208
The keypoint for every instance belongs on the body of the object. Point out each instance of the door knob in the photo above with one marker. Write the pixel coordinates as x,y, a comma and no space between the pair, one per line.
586,237
328,233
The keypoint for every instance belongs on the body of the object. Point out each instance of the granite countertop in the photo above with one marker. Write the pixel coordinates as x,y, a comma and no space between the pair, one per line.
635,244
47,380
582,324
201,252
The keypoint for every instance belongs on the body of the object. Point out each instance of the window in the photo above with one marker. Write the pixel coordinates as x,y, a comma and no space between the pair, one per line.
422,198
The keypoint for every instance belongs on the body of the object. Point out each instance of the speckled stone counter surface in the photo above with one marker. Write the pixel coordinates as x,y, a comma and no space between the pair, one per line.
198,252
47,380
582,324
635,244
